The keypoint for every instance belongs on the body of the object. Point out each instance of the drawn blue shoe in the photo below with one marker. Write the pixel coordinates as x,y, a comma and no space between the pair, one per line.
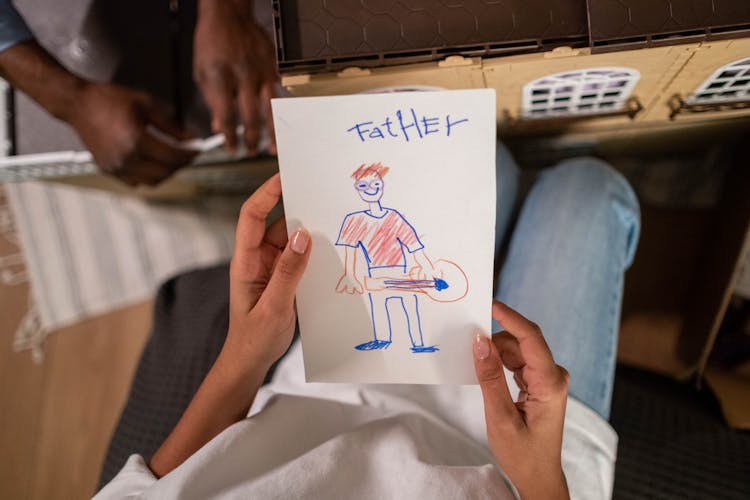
373,345
424,348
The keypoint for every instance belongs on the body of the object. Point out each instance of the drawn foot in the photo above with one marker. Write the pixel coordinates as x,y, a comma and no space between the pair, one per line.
373,345
425,348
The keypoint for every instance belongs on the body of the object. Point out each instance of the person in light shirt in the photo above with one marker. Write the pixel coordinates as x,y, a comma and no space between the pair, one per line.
233,64
541,435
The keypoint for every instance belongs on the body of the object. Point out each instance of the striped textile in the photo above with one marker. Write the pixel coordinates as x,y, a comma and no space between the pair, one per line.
88,252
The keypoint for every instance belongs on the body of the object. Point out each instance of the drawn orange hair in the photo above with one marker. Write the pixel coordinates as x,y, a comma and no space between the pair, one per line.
370,170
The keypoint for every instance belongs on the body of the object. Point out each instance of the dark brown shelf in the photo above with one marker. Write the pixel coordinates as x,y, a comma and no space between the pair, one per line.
621,24
326,35
329,35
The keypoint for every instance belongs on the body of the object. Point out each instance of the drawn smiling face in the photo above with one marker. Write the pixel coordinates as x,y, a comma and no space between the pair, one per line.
370,188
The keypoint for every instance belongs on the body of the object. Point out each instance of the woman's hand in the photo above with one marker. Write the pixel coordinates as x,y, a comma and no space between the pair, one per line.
263,278
525,436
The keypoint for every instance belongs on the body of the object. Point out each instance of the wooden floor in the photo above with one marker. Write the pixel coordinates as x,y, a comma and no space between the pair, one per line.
56,418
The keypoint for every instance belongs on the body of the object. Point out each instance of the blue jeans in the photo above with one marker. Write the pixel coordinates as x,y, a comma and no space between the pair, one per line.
575,236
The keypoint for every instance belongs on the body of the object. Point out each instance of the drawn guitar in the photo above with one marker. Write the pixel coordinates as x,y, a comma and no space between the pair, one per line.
450,284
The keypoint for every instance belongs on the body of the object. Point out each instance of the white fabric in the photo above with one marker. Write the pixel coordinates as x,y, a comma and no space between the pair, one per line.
350,441
88,252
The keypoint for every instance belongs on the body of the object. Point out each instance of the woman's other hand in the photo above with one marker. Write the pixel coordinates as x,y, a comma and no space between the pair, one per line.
525,435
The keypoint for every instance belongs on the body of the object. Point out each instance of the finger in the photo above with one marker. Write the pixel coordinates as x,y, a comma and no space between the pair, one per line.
509,350
276,233
520,381
218,91
158,116
535,382
268,92
149,172
127,179
249,112
523,396
535,351
159,151
124,175
498,404
251,226
282,287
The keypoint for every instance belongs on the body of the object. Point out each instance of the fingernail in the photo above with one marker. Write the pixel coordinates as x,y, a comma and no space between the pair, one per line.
300,240
481,347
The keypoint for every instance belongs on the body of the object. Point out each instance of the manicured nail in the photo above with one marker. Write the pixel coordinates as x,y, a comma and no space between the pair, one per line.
481,347
300,240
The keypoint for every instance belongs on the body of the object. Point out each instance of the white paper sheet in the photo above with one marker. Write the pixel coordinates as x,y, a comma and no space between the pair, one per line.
436,200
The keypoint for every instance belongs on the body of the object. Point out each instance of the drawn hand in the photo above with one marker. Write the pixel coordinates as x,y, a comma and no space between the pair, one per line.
525,436
112,122
264,273
349,284
421,273
234,60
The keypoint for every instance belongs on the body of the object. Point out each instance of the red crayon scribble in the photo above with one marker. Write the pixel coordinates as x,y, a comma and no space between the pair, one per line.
372,170
381,237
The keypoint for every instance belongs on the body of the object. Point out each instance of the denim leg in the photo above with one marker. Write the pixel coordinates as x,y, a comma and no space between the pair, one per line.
575,237
506,181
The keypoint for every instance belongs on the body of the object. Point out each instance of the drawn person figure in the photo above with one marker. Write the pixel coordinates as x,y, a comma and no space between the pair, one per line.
382,235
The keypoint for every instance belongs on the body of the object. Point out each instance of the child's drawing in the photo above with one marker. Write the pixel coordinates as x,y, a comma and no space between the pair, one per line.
382,234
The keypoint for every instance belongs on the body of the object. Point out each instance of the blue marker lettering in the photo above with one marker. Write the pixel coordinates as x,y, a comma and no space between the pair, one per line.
427,123
360,130
416,122
405,127
424,125
376,133
450,124
387,124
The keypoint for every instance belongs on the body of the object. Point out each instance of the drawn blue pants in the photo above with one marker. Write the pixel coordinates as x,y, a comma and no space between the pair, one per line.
575,236
385,304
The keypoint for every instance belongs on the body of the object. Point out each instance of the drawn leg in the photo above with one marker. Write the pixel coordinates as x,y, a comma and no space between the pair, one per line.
381,325
410,305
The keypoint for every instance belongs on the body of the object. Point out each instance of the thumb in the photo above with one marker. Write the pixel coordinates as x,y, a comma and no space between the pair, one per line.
279,293
160,118
498,403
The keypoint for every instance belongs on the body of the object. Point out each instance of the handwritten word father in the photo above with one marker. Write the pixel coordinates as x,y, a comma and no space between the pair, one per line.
407,125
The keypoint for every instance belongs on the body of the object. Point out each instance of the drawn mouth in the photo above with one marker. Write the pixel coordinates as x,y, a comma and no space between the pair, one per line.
373,193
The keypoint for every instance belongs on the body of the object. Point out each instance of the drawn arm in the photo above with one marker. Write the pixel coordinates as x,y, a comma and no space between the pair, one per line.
426,270
348,283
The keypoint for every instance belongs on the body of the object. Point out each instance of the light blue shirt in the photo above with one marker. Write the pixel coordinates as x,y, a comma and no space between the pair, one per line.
13,28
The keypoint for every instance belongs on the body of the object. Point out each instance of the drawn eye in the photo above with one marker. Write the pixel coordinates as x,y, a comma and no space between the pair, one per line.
376,184
361,186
